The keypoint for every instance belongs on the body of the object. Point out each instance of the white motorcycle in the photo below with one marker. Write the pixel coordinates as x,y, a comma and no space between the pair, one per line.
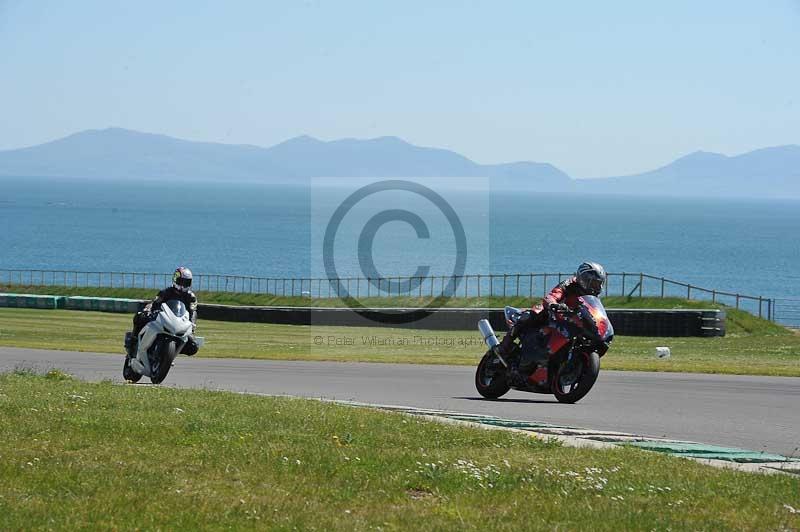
159,342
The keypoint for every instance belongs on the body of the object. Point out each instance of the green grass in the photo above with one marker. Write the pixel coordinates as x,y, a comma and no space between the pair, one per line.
76,455
761,352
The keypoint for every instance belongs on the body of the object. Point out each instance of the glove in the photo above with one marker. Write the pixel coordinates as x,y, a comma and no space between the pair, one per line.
559,307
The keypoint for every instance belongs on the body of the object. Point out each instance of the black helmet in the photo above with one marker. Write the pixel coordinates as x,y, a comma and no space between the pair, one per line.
591,277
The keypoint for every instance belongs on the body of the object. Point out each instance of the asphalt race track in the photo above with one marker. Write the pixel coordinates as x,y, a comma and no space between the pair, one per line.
754,413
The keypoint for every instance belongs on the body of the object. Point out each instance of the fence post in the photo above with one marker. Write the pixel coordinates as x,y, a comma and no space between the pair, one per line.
641,283
530,286
505,277
544,285
688,291
517,285
623,285
759,306
713,296
479,285
737,301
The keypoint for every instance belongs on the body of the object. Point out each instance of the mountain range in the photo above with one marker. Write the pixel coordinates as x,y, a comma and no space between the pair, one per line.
116,153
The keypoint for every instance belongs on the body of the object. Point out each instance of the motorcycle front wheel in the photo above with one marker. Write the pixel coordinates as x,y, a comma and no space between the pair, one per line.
167,351
490,377
573,380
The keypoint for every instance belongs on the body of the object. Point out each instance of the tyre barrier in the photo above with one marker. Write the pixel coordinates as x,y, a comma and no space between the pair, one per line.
103,304
30,301
627,322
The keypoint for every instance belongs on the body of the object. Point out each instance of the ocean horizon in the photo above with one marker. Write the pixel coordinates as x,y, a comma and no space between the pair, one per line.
265,230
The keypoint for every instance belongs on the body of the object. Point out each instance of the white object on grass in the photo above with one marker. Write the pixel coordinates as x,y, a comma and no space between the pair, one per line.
663,352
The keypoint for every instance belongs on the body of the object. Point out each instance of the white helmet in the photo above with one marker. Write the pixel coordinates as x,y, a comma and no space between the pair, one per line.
591,277
182,279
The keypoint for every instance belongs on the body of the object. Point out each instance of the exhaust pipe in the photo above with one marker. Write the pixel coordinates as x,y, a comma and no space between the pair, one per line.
490,338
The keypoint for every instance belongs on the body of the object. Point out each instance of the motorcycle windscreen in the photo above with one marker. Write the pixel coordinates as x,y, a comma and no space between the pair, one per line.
594,315
177,307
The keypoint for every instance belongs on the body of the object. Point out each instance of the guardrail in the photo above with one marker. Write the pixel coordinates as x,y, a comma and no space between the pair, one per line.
473,285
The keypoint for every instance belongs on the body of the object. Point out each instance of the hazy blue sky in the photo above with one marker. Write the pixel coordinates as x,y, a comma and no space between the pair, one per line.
596,88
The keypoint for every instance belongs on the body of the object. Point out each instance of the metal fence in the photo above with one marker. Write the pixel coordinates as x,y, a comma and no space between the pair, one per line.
787,312
477,285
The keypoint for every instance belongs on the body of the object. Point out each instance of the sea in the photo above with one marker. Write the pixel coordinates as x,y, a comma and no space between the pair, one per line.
747,246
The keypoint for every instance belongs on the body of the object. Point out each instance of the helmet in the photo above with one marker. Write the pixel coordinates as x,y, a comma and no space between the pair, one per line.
182,279
591,277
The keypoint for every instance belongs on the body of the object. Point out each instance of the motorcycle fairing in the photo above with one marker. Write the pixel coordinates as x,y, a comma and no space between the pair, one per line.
173,320
555,341
595,317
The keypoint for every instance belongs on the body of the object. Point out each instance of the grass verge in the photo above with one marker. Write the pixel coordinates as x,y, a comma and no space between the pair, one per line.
754,353
86,456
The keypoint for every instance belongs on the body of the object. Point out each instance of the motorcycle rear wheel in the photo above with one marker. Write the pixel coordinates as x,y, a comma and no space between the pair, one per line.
570,388
490,377
168,350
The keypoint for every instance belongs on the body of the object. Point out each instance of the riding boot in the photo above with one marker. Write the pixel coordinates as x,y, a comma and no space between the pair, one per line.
534,352
131,344
521,368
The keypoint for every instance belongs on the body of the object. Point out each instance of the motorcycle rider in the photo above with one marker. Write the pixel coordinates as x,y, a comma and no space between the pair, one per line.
180,290
588,280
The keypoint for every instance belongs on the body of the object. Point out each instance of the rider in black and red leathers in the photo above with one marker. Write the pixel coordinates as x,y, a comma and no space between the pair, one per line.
588,280
180,290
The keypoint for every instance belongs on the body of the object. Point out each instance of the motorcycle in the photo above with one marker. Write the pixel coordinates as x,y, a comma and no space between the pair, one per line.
158,343
575,341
